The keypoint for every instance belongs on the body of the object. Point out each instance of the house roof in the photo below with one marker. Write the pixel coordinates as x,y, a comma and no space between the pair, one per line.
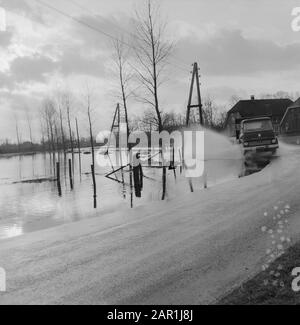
296,103
260,107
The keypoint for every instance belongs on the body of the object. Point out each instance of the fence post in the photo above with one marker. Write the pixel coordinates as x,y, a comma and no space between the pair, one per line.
70,174
131,185
58,178
205,179
94,186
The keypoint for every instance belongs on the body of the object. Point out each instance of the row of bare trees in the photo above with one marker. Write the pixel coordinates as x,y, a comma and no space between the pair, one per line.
55,125
59,122
214,117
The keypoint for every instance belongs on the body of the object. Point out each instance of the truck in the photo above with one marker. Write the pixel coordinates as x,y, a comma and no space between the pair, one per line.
257,134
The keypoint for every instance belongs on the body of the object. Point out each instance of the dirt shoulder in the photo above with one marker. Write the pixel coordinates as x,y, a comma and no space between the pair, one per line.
270,287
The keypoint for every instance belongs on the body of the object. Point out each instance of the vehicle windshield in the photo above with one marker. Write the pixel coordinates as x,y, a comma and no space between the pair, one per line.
258,125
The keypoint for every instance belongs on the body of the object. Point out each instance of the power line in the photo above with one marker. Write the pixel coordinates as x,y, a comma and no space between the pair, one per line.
81,22
134,36
98,30
59,11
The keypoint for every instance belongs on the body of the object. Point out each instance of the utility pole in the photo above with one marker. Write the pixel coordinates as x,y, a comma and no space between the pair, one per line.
195,77
115,127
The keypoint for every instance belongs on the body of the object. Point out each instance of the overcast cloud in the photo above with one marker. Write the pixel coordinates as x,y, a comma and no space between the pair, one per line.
242,47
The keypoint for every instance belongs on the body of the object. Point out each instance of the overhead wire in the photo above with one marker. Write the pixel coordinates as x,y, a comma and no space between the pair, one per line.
100,31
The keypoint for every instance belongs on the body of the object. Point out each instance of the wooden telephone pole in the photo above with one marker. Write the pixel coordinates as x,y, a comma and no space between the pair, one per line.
195,76
115,127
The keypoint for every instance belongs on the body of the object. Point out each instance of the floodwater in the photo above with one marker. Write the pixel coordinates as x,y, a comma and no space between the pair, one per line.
29,199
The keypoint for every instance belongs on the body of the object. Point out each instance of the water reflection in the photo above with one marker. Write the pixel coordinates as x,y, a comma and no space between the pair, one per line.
29,197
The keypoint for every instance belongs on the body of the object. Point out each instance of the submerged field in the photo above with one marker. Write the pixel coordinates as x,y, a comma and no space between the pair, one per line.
29,198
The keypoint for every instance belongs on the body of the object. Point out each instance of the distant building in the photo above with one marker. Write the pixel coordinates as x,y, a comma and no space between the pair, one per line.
274,108
290,123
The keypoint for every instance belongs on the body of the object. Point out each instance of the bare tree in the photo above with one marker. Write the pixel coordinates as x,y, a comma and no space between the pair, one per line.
42,131
88,102
221,120
69,124
45,128
234,99
28,118
152,51
208,112
56,136
148,121
67,104
49,115
213,114
124,76
62,130
78,145
18,133
280,94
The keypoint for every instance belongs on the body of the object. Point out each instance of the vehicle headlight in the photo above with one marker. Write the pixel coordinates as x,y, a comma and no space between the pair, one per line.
246,144
274,140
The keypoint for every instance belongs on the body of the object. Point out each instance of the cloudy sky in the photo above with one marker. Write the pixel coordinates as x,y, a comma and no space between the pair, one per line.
243,47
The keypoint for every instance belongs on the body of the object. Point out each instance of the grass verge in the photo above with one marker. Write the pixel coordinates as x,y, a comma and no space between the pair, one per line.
270,287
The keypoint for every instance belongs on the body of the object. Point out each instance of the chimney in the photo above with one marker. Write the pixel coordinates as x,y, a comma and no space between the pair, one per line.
252,97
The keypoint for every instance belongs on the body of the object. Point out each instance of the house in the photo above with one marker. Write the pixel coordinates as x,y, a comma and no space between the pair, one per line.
290,123
274,108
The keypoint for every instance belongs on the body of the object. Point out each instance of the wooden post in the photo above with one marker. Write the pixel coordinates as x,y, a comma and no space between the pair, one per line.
58,178
141,176
94,186
131,186
173,156
138,180
205,179
191,185
181,161
164,174
78,146
164,181
70,174
173,162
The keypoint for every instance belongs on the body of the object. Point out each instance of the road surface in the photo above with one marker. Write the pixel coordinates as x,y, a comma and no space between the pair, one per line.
187,251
